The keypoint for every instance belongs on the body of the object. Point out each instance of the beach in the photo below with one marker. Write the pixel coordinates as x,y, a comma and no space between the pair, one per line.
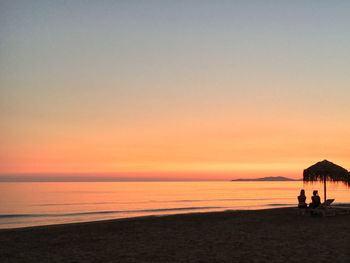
272,235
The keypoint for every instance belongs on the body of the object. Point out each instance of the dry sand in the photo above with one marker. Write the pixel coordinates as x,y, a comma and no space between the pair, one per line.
276,235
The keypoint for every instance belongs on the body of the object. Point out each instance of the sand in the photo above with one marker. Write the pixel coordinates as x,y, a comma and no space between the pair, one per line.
275,235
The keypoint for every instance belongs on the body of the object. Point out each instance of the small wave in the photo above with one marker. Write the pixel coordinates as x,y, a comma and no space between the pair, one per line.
110,212
69,204
227,199
162,201
280,204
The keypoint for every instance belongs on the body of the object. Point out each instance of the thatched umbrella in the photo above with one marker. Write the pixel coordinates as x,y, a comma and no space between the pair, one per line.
326,171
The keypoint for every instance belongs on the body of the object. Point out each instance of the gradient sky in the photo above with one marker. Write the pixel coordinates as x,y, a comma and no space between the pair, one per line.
197,89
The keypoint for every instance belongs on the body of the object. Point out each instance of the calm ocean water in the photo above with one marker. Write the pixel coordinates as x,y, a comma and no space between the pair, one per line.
32,204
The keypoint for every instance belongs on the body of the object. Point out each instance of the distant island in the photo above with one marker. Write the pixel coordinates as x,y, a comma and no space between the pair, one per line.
271,178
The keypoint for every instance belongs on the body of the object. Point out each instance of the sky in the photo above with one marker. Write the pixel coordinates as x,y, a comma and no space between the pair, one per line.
173,89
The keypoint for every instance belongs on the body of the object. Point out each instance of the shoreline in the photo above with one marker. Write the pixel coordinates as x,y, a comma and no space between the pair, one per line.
132,218
345,205
140,217
268,207
266,235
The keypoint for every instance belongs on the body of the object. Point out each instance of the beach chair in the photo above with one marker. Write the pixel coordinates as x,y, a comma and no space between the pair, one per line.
324,209
328,202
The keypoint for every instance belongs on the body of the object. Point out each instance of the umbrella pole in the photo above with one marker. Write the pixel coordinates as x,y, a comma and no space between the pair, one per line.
325,188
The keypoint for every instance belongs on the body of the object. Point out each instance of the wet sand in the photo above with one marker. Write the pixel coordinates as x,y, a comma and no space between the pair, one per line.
275,235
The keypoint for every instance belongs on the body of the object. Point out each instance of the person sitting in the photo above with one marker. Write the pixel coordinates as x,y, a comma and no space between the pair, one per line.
316,200
302,199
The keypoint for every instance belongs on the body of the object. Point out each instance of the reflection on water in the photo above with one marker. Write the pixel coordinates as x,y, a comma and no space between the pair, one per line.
29,204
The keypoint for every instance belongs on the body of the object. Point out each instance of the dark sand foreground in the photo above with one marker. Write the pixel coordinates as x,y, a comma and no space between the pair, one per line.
276,235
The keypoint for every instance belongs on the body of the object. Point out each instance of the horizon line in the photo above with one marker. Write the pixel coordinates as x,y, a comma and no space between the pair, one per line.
77,178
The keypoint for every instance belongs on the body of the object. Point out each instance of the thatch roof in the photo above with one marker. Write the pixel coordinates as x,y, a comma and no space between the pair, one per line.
328,171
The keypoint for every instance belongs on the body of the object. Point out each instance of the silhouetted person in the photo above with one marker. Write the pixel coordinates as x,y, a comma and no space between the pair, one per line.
302,199
316,200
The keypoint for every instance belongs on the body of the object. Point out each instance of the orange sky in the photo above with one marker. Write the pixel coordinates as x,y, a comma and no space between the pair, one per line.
194,148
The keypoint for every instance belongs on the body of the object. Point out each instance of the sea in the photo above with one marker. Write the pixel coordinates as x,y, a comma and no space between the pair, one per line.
26,204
